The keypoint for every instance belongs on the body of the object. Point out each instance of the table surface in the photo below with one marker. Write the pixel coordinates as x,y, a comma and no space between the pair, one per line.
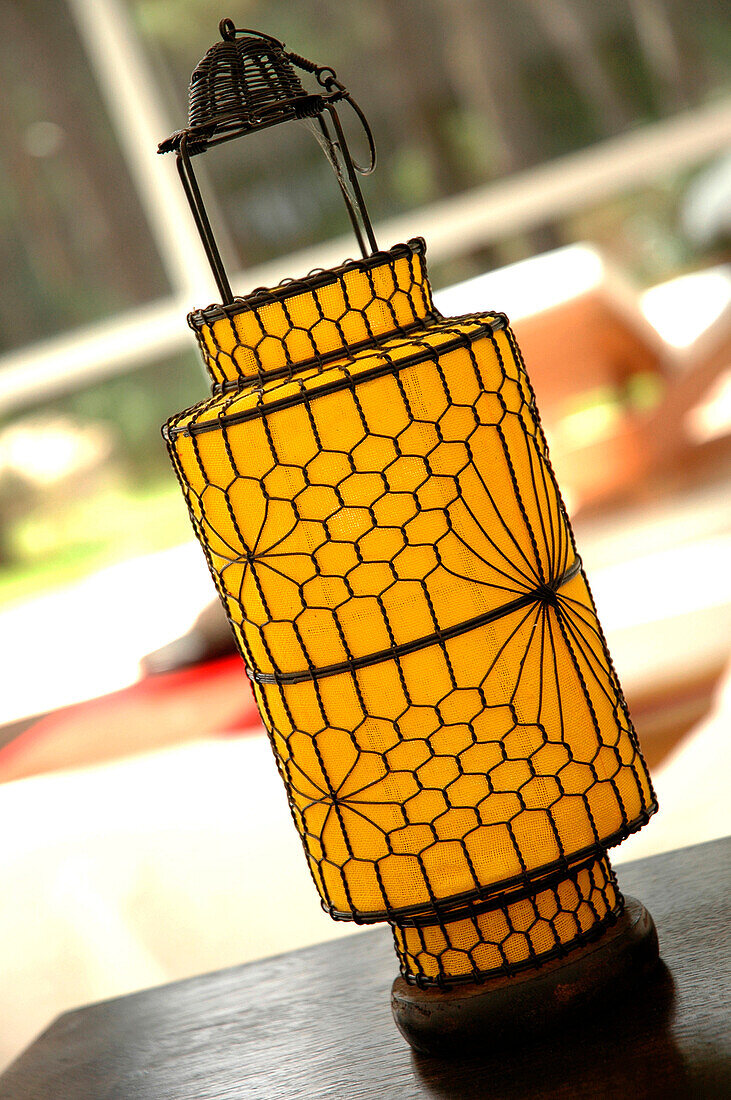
316,1023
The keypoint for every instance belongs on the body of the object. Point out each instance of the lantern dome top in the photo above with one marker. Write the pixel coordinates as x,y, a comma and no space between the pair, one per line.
245,82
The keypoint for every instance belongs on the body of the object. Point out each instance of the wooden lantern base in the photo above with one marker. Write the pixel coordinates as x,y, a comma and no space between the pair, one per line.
506,1010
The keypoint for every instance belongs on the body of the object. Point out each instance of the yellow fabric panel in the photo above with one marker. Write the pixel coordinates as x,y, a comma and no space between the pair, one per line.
518,933
395,508
427,526
346,310
515,777
421,398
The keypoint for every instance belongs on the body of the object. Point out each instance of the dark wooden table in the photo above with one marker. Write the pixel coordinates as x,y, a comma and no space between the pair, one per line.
316,1023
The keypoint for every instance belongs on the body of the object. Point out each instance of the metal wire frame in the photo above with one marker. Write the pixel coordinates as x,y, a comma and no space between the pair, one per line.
486,352
260,90
426,949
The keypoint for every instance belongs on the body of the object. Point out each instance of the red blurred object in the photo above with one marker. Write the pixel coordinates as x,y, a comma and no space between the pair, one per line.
203,701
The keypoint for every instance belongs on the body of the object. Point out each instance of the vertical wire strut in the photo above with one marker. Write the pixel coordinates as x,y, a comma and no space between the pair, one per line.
195,201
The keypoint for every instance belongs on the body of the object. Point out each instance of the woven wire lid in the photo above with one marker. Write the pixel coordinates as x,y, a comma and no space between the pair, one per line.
242,84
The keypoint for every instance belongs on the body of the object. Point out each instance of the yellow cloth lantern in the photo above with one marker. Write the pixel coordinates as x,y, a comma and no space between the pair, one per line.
372,491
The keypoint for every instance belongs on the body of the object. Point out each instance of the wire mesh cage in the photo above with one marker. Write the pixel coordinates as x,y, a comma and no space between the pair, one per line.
513,934
372,490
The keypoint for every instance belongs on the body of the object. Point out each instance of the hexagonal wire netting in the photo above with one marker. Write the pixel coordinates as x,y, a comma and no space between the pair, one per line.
371,487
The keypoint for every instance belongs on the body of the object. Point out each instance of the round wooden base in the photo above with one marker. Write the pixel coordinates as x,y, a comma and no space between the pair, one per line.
474,1017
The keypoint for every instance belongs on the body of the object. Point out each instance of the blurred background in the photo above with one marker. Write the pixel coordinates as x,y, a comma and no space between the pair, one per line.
568,163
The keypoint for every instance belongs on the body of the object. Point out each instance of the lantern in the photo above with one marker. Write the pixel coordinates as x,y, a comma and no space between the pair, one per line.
371,488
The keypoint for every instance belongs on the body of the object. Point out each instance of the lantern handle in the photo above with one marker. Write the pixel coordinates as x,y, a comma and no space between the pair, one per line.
327,78
228,31
338,153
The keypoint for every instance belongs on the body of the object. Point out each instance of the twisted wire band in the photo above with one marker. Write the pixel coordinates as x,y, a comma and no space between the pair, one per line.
546,593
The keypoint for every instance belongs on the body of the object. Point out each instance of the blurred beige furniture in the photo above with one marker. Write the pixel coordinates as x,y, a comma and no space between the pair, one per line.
617,373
